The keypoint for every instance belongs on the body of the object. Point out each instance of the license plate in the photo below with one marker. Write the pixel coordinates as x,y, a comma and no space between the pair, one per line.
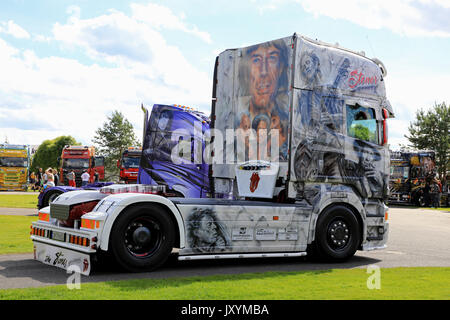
59,236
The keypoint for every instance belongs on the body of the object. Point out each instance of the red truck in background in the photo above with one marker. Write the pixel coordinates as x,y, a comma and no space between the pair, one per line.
129,164
79,159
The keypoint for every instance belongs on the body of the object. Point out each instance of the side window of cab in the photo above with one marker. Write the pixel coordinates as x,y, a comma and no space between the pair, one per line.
362,123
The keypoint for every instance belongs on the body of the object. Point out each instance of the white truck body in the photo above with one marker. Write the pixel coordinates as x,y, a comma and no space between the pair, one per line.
325,186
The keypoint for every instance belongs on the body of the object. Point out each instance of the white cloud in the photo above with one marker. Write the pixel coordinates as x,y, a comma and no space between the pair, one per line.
42,98
162,17
405,17
14,30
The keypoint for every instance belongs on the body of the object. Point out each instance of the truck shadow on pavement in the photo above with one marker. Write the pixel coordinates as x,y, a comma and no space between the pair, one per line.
26,272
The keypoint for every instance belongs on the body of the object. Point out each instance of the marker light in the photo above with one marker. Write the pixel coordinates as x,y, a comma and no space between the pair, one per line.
44,216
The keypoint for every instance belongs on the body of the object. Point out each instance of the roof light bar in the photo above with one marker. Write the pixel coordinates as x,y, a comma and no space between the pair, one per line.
133,188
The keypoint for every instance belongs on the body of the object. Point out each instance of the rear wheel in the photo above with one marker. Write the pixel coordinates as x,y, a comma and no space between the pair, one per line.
338,234
142,238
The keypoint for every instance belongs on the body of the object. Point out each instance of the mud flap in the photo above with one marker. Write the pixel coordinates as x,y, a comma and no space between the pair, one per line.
66,259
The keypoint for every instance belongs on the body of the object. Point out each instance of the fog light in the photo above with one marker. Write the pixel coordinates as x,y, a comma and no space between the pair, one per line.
380,230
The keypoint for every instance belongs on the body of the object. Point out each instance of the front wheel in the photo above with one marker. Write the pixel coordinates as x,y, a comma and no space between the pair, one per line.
142,238
338,234
50,197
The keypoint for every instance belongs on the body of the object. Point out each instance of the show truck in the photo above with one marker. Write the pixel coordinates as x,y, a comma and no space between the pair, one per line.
14,164
128,164
410,171
298,164
79,159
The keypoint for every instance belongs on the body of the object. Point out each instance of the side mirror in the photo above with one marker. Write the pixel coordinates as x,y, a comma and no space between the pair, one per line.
118,164
385,127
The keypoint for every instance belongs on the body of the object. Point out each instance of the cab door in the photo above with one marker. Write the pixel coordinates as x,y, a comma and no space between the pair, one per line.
99,167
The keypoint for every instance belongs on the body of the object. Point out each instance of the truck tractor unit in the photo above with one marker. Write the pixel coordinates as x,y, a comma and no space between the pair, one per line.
410,171
14,162
79,159
129,164
298,164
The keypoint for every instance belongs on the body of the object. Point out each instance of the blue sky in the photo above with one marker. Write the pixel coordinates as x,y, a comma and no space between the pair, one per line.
66,65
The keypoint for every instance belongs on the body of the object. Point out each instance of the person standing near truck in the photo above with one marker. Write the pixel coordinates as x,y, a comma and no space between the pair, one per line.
71,178
85,178
435,194
50,178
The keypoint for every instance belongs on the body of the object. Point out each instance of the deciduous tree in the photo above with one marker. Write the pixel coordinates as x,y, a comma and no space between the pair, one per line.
49,151
431,131
112,139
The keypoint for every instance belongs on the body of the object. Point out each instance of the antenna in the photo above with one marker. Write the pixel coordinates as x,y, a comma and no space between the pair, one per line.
370,45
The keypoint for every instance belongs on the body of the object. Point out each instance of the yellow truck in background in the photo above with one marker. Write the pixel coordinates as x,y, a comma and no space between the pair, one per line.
14,162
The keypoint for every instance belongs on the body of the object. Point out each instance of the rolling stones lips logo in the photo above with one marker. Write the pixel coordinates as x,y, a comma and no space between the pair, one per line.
85,265
254,181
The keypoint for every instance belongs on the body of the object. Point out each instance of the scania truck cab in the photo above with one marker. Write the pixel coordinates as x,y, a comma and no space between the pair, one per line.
80,159
298,165
129,164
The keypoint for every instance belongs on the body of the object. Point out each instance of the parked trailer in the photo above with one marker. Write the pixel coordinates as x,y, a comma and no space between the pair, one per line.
320,191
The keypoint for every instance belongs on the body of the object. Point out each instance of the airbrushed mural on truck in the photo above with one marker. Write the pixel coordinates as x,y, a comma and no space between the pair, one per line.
335,106
295,158
169,133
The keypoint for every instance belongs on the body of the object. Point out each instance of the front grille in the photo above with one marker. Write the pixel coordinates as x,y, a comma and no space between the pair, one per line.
59,211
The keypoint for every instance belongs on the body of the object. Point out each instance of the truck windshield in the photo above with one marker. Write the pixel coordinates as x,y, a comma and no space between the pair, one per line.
13,162
76,163
400,172
131,162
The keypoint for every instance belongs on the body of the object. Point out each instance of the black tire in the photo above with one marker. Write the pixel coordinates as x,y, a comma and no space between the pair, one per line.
338,234
142,238
50,196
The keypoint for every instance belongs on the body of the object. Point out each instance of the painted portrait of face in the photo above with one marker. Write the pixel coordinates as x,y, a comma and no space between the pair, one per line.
245,122
205,232
264,74
309,67
164,120
276,124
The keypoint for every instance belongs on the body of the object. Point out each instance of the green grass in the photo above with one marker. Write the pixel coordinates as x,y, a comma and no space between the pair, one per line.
15,234
440,209
396,283
19,200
